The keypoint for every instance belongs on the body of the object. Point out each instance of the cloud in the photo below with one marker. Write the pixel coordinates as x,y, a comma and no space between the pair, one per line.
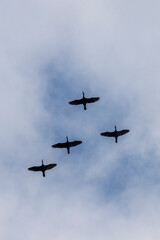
50,52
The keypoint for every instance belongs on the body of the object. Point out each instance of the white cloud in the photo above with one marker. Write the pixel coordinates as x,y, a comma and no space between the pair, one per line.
50,52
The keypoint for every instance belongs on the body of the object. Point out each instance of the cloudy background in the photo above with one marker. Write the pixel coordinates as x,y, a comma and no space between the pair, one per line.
50,52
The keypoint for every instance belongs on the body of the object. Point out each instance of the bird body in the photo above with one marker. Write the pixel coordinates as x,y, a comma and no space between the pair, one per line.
115,134
67,145
42,168
84,101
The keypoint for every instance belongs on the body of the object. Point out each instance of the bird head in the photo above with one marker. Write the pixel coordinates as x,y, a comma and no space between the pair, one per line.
115,127
67,139
83,94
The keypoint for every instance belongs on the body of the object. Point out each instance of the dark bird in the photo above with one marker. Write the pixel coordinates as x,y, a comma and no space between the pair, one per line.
84,101
42,168
115,134
67,145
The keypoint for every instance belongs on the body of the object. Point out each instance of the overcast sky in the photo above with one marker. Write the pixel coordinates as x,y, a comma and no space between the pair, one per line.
51,51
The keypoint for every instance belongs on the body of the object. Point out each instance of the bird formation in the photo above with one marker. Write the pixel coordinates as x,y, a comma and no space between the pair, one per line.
84,101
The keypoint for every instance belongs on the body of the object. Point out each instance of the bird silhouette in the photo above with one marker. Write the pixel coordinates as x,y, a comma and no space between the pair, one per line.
84,101
42,168
115,134
67,145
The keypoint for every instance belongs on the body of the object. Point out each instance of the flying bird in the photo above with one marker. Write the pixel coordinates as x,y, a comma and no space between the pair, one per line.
115,134
84,101
67,145
42,168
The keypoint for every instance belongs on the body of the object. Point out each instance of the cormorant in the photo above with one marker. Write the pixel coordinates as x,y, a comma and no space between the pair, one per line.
84,101
67,145
115,134
42,168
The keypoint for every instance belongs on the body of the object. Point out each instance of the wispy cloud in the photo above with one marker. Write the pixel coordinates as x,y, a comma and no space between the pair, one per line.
50,52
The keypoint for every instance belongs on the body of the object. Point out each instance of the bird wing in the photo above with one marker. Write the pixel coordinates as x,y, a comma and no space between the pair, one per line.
120,133
92,99
35,168
107,134
50,166
76,102
75,143
59,145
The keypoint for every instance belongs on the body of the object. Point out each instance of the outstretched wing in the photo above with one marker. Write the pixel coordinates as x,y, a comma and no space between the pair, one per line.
92,100
35,168
108,134
59,145
120,133
50,166
76,102
75,143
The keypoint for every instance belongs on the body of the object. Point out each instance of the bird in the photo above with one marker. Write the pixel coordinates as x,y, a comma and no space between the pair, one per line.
115,134
42,168
84,101
67,145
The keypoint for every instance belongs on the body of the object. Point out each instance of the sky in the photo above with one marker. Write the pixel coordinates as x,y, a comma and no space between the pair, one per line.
50,52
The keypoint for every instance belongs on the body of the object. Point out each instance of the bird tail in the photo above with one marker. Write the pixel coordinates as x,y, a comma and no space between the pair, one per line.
68,150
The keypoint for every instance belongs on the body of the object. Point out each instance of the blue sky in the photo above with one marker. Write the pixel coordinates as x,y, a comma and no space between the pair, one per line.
50,52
